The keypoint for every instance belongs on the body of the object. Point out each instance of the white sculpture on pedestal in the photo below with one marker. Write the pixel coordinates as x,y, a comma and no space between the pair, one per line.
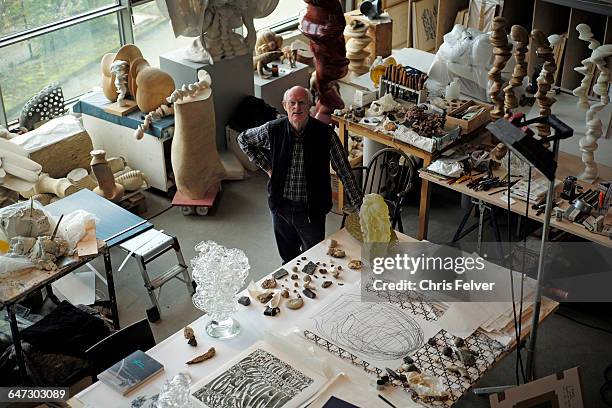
602,58
587,66
213,23
120,70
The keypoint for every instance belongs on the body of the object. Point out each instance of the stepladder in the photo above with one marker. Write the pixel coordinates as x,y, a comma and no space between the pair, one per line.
146,248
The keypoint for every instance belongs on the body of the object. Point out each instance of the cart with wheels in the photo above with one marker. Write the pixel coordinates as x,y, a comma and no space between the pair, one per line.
196,207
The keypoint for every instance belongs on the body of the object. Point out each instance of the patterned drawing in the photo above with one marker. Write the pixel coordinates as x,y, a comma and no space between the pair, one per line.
428,17
379,330
260,380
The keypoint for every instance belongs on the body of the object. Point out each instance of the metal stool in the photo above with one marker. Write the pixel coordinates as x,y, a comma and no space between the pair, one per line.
147,247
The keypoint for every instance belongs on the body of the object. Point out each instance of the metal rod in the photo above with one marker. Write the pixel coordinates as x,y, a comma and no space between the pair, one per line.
125,230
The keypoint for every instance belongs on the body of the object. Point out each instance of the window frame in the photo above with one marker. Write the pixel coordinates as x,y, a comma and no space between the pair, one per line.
123,10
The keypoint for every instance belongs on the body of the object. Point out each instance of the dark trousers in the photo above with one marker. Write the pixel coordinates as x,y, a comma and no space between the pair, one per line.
294,230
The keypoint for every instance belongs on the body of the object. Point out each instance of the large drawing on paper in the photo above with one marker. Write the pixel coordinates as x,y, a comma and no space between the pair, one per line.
379,331
260,380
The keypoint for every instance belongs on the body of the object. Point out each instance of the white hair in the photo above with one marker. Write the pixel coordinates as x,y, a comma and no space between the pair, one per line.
286,94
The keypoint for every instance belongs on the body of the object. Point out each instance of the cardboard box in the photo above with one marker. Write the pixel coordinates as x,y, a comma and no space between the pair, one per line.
561,390
468,126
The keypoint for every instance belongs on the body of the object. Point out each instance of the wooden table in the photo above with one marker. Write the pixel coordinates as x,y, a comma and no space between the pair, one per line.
569,165
15,286
174,351
347,126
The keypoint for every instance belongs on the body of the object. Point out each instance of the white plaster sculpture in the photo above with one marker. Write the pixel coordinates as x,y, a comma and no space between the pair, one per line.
602,58
120,70
213,23
586,69
17,172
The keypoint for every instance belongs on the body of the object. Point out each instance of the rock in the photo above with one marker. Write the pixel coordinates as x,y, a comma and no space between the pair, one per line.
245,300
285,293
268,283
203,357
459,342
309,293
412,368
432,342
447,351
192,341
265,297
271,311
309,285
281,273
460,371
355,264
295,276
335,272
392,374
295,269
332,243
327,284
296,284
322,271
385,378
336,253
307,278
303,258
309,268
466,356
295,303
188,332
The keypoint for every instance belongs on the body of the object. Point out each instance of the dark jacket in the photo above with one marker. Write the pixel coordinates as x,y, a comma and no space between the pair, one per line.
317,139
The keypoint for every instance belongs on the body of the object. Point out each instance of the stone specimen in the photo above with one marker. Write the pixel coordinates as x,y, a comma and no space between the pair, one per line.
281,273
309,285
268,283
107,187
602,58
294,276
309,268
459,342
502,52
332,243
586,69
244,300
356,43
271,311
307,278
206,356
309,293
190,336
467,356
336,253
546,79
326,284
460,371
285,293
521,38
265,297
213,22
355,264
195,160
295,303
323,23
335,272
447,351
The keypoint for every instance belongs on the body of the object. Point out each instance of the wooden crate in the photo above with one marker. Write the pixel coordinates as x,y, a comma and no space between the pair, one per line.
468,126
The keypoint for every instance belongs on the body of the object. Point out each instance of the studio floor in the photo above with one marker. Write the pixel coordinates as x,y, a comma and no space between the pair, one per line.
241,219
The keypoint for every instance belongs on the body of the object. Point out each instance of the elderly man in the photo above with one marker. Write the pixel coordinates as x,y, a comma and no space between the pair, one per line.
296,152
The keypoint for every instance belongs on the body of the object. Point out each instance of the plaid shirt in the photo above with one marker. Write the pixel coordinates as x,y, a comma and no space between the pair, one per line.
256,144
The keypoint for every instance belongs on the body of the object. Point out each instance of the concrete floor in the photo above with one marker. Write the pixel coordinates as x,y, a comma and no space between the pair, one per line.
241,219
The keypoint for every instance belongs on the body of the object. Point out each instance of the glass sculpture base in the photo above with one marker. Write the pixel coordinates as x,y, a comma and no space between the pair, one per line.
223,329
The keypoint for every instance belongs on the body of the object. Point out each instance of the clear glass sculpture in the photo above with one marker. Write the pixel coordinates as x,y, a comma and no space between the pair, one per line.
174,393
220,273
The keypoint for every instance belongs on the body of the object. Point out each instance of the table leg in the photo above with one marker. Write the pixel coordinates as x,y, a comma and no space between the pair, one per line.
424,205
17,343
343,135
110,284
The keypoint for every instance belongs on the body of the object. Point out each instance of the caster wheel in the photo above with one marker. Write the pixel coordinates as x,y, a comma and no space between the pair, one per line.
201,210
194,285
187,210
153,314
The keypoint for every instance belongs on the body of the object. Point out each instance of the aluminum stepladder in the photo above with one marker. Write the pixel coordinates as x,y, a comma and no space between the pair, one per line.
147,247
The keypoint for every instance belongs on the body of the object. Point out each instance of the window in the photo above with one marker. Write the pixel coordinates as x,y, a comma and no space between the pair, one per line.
153,33
70,56
286,10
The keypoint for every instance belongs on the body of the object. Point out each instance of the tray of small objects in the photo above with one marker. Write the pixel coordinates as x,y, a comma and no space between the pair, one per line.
469,116
420,126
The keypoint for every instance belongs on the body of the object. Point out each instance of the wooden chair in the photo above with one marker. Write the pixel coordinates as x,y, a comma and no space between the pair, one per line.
391,174
122,343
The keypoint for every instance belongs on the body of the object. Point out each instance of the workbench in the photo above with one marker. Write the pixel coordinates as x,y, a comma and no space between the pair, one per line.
568,165
174,351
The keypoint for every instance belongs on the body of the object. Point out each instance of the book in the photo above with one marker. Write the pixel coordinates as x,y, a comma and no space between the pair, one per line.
130,372
334,402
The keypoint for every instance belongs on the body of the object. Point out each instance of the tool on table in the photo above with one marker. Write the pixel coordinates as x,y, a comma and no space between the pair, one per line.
569,188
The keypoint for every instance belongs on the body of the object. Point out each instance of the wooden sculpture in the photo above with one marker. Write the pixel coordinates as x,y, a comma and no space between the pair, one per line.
502,52
546,78
521,38
357,41
602,58
323,23
107,187
587,68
